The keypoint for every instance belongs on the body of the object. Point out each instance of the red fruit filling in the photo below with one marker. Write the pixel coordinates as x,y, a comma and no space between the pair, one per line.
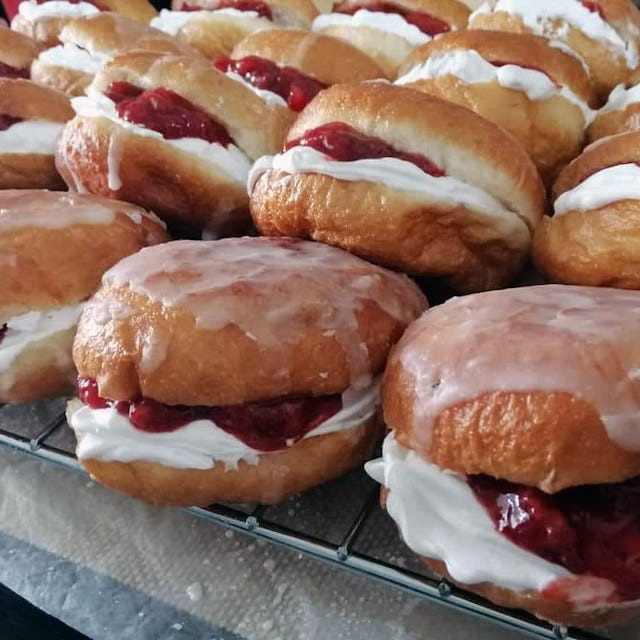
267,425
166,112
7,71
342,142
594,7
6,121
296,88
592,529
261,8
424,21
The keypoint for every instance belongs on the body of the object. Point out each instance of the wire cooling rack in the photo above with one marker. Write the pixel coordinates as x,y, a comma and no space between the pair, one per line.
339,522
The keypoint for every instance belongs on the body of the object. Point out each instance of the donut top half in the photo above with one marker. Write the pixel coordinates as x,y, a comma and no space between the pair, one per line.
536,385
241,320
54,247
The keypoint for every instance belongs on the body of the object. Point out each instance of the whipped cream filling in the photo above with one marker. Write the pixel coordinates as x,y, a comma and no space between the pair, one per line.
172,22
31,136
613,184
539,15
70,56
620,98
32,326
268,96
391,22
471,68
439,517
397,174
105,434
228,159
32,11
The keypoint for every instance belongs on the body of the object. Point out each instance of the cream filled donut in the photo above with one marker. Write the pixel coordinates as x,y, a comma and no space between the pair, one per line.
403,179
31,119
621,112
537,92
215,27
172,134
290,67
242,370
513,462
605,34
16,53
54,248
389,31
89,43
593,237
43,21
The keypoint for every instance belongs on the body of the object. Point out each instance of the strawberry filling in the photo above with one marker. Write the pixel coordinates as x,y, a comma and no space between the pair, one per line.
592,529
424,21
166,112
594,7
342,142
267,425
6,121
261,8
296,88
7,71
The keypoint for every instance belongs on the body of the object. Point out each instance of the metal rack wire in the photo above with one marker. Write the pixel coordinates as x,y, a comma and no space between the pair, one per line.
343,546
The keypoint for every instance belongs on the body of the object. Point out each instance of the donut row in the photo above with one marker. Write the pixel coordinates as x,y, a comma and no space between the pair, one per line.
182,131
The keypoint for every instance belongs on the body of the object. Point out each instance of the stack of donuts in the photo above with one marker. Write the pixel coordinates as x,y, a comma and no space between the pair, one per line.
220,225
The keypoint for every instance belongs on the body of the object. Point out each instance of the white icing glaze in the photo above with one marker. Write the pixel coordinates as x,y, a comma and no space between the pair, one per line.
172,22
70,56
268,96
230,159
565,48
268,287
32,326
539,17
551,338
397,174
470,67
56,210
620,98
613,184
390,22
439,517
113,164
32,11
31,136
106,435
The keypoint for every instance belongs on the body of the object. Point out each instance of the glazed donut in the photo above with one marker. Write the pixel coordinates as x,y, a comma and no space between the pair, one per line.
44,21
389,31
238,370
172,134
16,53
538,93
512,466
289,67
31,119
214,27
405,180
621,112
54,247
89,43
593,237
604,34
